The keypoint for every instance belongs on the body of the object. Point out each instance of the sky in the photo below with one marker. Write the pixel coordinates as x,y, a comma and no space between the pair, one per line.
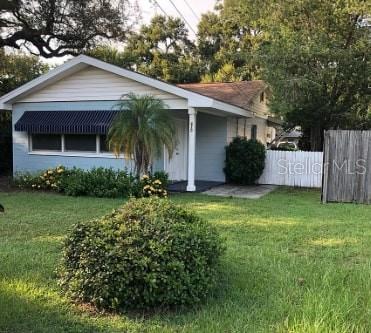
198,7
149,9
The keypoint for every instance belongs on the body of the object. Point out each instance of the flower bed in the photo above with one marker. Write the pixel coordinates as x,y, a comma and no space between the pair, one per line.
96,182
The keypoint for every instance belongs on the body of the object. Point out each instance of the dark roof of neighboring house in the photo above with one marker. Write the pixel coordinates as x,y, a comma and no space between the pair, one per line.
293,134
236,93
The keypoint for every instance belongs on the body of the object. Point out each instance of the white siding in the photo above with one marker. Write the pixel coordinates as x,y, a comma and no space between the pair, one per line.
95,84
260,108
242,127
301,168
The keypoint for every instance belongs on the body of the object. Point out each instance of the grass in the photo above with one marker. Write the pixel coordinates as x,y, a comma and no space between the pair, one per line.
292,265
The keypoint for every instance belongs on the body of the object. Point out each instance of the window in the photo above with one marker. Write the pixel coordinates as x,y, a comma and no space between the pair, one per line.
104,144
80,142
69,143
254,132
51,142
262,97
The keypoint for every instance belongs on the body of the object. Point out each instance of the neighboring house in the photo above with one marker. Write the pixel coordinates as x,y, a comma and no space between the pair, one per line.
249,95
62,118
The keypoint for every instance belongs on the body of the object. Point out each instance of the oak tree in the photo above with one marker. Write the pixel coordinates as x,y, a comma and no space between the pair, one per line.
56,28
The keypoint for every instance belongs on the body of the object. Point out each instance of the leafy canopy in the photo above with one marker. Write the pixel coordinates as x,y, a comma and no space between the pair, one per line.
230,37
55,28
161,49
314,54
318,66
17,69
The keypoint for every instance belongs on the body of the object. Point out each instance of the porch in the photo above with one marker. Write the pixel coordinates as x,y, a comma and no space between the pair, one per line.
198,160
201,186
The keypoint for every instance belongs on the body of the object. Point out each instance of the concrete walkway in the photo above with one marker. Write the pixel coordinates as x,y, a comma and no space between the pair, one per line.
247,192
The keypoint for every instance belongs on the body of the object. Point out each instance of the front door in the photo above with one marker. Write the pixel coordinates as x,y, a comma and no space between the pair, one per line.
176,166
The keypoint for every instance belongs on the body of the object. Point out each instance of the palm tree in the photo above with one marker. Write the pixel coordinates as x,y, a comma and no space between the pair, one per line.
141,130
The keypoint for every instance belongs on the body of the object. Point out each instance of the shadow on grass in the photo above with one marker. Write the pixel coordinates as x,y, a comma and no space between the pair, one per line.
23,314
30,307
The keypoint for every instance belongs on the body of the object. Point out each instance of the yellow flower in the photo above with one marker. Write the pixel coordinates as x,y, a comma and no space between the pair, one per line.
157,181
144,177
50,172
146,187
60,170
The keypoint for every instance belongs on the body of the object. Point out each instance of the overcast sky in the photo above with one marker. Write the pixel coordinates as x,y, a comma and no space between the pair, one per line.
149,9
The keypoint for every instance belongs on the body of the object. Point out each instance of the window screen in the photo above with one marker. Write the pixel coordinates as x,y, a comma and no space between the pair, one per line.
47,142
254,132
80,142
104,144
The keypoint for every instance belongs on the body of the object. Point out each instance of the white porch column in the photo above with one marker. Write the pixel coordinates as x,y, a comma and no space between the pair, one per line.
192,114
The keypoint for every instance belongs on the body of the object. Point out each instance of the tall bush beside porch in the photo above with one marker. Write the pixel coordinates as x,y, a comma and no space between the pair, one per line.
245,161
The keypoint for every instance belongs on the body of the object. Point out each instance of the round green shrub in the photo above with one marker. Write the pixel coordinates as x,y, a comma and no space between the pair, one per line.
245,161
148,253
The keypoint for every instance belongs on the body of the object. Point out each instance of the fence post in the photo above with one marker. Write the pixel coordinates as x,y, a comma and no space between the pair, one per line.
325,166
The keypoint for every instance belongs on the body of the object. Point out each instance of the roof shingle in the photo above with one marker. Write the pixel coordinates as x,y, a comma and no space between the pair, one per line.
236,93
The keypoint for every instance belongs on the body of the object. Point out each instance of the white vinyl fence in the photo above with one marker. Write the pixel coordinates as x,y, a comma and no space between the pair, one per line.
293,168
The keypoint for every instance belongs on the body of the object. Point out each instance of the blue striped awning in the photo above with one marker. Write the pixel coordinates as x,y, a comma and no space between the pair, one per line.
68,122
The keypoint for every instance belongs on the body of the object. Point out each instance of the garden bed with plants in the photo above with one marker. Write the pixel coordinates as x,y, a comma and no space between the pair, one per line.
96,182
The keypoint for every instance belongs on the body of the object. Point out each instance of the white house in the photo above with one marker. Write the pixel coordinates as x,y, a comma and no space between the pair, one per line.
62,118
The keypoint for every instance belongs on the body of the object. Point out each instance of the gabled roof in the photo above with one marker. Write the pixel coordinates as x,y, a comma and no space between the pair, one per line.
239,94
76,64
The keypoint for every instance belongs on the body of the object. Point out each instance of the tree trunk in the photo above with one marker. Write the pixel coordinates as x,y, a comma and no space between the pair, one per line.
316,138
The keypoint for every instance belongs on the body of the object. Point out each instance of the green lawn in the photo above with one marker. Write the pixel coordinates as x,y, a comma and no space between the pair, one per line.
292,265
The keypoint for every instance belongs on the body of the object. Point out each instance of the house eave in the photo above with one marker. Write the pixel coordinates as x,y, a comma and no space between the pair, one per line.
7,107
42,81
